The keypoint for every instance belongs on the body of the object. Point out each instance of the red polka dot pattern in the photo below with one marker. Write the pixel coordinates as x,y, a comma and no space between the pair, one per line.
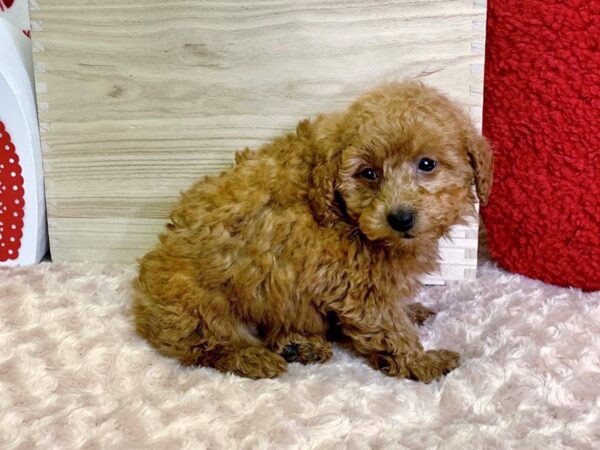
5,4
11,198
542,116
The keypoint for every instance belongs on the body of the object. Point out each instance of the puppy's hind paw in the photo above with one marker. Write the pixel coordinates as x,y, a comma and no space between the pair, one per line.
304,349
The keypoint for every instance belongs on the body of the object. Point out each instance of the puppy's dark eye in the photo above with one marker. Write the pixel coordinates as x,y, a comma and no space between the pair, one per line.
427,164
369,174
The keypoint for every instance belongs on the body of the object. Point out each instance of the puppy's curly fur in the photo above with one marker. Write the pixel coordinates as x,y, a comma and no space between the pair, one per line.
257,262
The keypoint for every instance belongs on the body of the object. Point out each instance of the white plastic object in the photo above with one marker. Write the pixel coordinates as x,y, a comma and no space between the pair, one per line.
19,116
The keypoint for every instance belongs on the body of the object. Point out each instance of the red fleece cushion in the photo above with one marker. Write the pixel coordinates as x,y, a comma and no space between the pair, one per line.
542,116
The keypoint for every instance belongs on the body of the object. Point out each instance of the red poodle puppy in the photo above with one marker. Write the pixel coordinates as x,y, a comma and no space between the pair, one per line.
329,226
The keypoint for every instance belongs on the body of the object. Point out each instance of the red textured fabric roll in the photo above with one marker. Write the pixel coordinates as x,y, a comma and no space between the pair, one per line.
542,116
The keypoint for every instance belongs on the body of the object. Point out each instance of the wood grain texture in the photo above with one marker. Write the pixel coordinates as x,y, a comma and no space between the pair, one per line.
138,99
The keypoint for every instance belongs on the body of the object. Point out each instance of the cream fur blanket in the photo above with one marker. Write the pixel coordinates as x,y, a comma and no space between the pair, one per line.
74,375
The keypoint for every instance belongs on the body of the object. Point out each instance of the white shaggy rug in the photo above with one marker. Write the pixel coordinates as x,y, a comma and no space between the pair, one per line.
74,375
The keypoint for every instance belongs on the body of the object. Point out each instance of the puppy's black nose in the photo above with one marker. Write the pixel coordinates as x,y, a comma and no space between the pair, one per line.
401,220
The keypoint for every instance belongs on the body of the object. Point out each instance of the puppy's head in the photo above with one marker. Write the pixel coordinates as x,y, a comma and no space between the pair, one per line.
399,165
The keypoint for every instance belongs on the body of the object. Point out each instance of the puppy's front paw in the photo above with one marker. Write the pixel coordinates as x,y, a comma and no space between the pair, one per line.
434,364
390,365
426,367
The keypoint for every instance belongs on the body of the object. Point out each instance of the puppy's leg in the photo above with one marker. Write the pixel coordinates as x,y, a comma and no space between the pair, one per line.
417,313
171,330
295,347
384,334
198,327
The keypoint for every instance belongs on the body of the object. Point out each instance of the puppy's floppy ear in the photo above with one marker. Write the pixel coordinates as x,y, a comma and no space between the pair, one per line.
481,159
324,175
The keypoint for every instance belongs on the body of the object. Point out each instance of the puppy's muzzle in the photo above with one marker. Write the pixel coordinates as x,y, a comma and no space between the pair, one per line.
402,220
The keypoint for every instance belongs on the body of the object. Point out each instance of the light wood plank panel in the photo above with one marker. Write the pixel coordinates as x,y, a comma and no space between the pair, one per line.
139,99
99,237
